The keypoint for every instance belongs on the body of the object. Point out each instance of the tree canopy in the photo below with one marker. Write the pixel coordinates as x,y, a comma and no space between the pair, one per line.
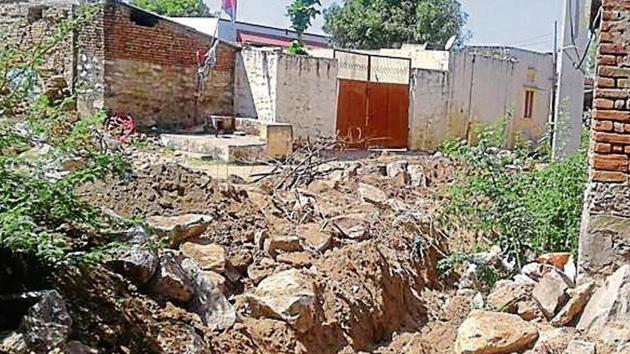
371,24
302,13
174,8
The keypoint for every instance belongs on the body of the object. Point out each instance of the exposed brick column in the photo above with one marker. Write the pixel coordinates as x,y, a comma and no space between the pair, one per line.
611,117
605,236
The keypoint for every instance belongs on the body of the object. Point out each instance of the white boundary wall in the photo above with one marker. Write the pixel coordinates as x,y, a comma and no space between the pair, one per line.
293,89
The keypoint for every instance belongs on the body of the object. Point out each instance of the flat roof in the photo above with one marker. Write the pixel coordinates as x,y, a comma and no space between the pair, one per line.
210,24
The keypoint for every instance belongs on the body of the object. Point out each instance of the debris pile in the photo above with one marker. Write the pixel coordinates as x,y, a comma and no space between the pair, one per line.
315,256
321,256
543,310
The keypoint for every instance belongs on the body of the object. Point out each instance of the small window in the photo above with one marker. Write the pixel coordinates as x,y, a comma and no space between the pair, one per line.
529,104
35,13
143,19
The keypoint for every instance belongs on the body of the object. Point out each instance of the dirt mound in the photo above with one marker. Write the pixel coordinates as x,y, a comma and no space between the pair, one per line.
163,189
369,256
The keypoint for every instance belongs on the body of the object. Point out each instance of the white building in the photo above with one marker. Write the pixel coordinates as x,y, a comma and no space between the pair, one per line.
245,33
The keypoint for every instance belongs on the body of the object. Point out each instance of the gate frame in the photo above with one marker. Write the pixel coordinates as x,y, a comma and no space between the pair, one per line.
369,68
368,81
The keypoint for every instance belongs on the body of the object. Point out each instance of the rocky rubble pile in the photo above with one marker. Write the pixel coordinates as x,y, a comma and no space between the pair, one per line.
338,264
543,310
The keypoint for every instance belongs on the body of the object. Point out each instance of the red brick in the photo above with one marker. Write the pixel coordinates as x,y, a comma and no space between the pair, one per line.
616,49
611,115
608,60
610,162
612,138
608,177
603,103
611,93
615,4
603,125
605,83
614,72
602,148
605,37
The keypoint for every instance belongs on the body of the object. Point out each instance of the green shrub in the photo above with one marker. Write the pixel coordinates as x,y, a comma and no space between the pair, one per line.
39,213
516,199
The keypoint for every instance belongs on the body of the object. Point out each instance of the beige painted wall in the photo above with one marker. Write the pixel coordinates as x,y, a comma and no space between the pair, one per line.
478,90
307,95
428,108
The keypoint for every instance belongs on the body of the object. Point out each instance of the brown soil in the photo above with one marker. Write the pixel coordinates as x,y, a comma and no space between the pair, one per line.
371,288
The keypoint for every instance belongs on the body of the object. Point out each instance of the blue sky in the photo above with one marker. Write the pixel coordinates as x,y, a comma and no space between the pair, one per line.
521,23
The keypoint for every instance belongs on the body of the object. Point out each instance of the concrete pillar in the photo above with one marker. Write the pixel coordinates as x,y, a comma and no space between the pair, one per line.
570,94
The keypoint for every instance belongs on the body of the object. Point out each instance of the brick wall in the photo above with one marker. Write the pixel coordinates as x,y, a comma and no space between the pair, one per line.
150,70
611,116
605,237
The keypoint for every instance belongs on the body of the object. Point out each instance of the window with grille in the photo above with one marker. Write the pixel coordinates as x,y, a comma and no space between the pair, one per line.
529,104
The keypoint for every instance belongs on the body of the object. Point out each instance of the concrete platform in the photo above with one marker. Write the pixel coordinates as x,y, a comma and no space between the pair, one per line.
229,148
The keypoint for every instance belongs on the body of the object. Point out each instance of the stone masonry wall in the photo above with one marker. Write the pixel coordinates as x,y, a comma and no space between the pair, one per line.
90,65
605,238
150,70
26,23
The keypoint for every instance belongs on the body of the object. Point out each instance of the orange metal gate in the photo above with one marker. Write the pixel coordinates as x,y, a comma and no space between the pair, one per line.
373,101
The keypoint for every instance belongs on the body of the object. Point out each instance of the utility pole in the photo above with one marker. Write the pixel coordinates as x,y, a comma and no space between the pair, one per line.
570,93
554,89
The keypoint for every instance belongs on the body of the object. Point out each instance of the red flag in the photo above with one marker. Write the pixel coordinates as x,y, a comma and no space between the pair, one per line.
229,6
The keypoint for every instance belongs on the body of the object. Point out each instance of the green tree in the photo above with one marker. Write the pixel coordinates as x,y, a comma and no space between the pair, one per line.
175,8
302,13
372,24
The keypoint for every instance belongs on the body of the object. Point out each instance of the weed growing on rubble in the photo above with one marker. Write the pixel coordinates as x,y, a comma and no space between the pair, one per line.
516,199
45,153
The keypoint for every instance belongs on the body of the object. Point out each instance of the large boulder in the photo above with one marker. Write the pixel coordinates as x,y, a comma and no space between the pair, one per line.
486,332
551,292
277,243
536,271
397,171
208,257
208,300
289,296
396,168
180,228
352,226
580,347
558,260
371,194
610,304
579,298
296,260
417,176
137,263
553,340
47,325
506,296
314,238
171,281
